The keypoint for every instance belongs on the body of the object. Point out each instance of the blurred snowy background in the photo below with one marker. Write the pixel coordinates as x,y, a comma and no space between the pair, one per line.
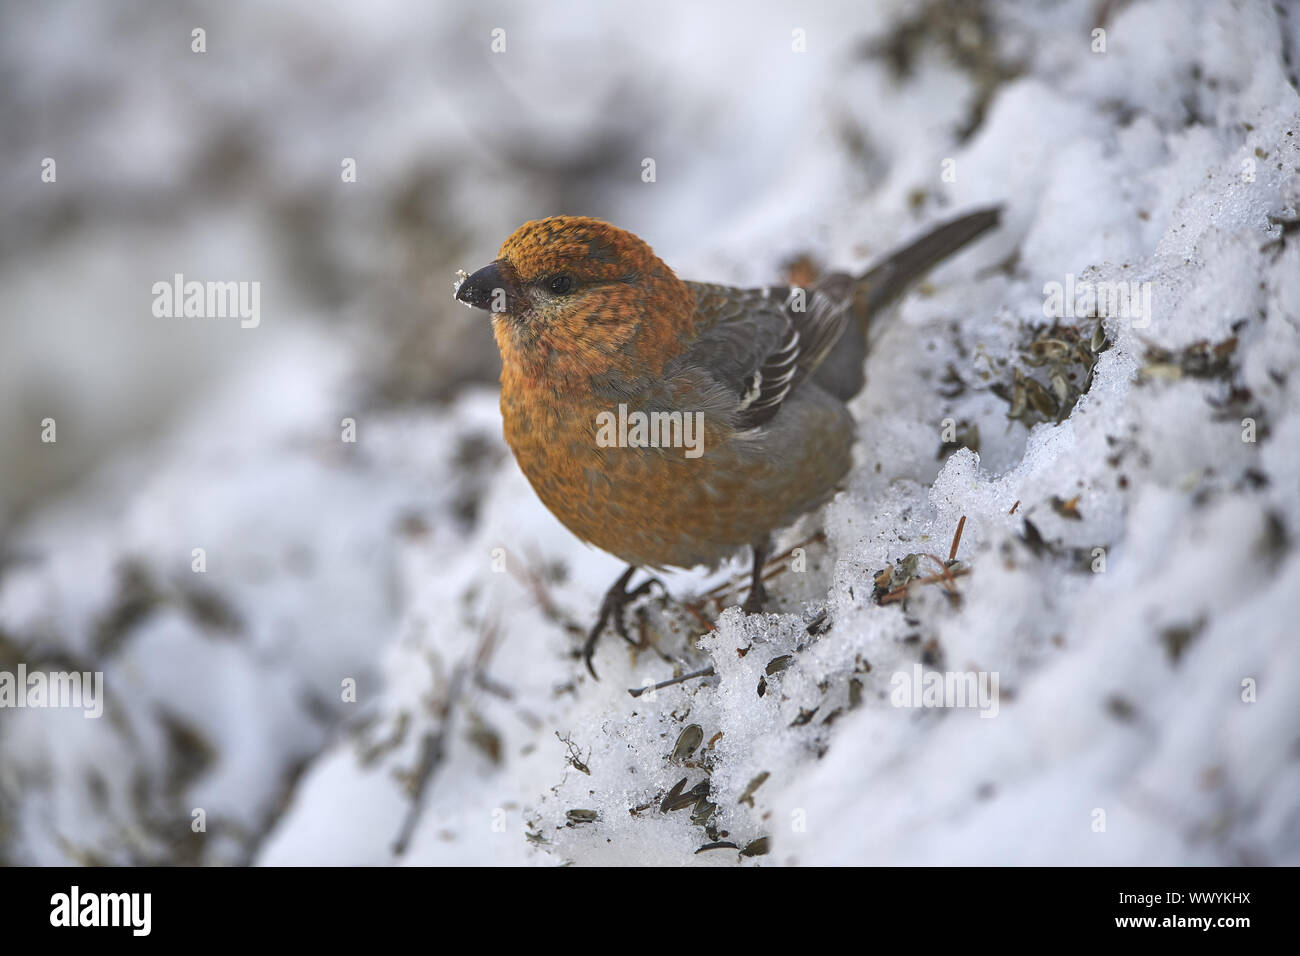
1149,707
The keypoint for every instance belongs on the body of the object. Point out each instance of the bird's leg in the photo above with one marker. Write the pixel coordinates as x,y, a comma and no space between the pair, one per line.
616,599
757,593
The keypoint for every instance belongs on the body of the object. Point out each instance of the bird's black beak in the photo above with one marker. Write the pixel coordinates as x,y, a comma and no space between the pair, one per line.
486,289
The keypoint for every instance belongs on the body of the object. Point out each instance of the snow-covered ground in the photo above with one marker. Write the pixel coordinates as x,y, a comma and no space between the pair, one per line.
399,614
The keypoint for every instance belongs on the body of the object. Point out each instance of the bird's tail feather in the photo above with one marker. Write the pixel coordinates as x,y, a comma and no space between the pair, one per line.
885,282
842,371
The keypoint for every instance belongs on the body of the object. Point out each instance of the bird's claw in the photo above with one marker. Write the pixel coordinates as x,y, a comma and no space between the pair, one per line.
757,593
757,599
617,598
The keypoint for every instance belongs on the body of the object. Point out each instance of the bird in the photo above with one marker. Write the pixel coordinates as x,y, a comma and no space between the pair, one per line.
745,390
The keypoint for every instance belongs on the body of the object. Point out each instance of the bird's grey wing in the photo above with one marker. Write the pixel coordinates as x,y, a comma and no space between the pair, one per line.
760,344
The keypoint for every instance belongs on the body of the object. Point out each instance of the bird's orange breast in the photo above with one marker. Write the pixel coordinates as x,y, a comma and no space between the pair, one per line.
660,507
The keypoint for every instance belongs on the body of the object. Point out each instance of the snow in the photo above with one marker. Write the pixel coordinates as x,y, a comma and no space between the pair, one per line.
1147,691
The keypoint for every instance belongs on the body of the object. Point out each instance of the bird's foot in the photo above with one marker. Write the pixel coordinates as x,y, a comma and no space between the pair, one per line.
617,598
757,593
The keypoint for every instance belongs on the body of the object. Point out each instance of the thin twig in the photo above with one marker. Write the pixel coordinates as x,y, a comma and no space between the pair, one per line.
956,539
433,745
537,587
638,691
708,625
944,574
900,592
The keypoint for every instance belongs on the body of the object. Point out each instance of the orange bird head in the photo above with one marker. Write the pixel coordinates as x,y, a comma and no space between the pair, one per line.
570,295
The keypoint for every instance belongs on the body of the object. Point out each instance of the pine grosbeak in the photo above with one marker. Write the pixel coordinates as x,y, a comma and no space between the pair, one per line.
592,326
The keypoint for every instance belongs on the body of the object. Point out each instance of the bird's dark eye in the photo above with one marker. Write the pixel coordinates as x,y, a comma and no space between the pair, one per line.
561,284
